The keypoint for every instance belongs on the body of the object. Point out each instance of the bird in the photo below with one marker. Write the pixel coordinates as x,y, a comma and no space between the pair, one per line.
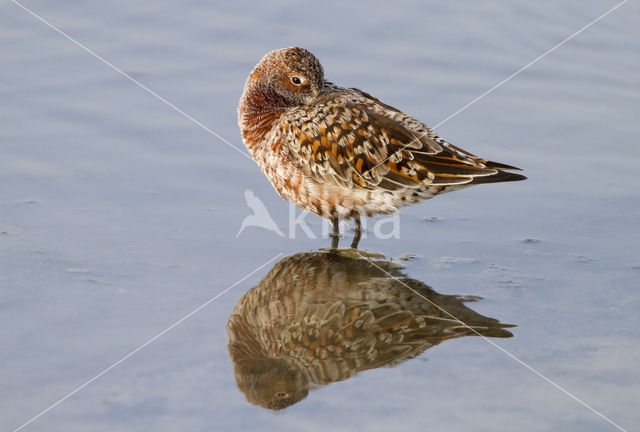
321,317
260,217
341,153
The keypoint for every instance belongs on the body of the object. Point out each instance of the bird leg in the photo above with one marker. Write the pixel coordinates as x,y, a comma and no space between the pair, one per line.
335,234
358,234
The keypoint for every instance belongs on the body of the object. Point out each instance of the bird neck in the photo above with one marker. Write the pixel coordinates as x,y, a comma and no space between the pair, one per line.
258,111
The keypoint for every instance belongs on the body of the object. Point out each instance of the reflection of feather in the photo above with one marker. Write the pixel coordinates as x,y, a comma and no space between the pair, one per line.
260,217
317,318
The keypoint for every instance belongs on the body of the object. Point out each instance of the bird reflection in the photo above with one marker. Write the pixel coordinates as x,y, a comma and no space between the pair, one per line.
321,317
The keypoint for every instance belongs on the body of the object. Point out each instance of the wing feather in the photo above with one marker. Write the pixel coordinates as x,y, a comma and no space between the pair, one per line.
351,139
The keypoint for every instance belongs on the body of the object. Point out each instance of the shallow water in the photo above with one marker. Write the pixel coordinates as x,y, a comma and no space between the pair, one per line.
119,216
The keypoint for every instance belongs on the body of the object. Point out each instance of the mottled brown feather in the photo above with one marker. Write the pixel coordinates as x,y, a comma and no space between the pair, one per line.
340,151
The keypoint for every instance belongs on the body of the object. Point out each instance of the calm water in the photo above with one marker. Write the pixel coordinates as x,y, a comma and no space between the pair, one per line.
118,216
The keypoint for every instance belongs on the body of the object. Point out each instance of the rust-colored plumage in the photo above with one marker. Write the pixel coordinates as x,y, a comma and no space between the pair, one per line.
318,318
340,152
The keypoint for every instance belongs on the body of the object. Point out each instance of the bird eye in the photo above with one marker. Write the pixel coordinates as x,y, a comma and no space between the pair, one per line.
296,80
281,394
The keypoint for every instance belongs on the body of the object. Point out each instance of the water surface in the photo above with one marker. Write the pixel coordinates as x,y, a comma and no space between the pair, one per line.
118,215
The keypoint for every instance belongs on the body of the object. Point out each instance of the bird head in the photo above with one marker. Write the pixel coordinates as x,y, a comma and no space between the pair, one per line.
271,383
285,78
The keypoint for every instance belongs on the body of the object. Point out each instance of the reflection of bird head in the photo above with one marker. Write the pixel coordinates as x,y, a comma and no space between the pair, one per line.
271,383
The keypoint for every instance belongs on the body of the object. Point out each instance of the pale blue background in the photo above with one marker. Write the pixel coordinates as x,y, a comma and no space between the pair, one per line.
118,216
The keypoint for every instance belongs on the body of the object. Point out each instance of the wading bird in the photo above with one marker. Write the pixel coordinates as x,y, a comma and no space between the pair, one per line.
340,152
